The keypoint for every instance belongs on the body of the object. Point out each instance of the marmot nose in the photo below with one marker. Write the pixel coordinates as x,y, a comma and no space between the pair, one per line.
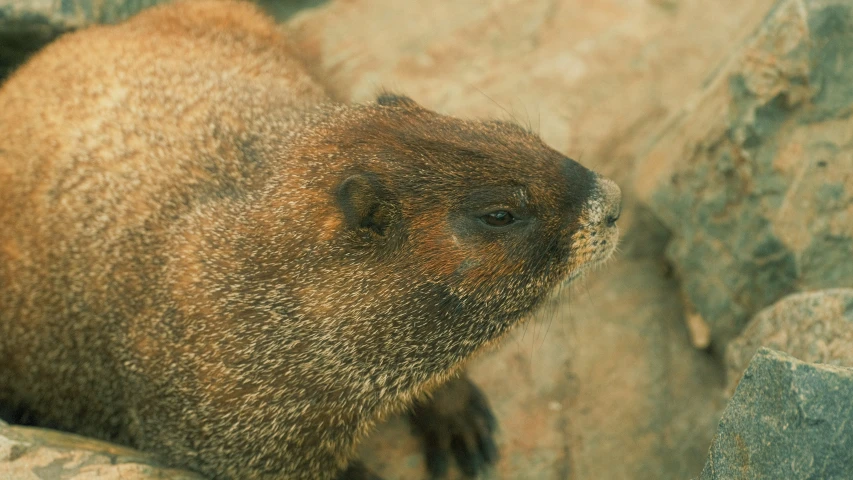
611,199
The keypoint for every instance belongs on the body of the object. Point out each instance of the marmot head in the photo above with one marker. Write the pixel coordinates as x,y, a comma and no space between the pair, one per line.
485,208
435,232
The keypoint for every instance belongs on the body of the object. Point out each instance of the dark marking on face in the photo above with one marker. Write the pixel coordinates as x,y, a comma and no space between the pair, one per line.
579,185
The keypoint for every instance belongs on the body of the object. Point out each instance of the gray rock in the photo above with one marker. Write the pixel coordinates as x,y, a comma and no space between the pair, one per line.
815,327
755,176
787,420
34,453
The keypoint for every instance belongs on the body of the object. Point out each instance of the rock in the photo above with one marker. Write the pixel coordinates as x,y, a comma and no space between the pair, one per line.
788,420
39,454
754,177
815,327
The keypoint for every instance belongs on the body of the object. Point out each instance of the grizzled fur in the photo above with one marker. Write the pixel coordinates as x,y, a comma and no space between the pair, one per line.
203,256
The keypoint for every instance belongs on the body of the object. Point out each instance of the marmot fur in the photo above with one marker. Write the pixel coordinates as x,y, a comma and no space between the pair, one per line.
203,256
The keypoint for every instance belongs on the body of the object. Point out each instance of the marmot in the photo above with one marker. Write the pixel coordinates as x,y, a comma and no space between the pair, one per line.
204,256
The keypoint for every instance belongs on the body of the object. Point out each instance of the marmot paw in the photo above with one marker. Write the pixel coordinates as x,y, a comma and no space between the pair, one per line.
456,421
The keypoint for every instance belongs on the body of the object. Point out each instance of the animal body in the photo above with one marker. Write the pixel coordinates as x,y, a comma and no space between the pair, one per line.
204,256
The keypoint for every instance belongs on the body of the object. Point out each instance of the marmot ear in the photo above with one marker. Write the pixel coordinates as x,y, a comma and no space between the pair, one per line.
365,203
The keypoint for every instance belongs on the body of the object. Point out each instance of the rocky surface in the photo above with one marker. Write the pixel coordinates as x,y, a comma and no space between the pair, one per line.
755,175
38,454
815,327
788,419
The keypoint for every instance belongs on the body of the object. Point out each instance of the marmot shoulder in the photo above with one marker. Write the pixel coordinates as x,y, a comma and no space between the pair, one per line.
204,256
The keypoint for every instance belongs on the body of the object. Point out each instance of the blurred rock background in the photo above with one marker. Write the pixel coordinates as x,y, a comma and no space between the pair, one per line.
728,126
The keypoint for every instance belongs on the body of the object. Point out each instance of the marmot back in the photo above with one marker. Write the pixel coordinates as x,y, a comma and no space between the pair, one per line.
203,256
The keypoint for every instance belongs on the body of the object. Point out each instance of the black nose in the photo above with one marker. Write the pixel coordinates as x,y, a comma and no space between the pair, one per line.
612,201
611,219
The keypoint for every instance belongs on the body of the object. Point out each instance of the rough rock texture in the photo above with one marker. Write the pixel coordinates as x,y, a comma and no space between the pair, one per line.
814,327
37,454
787,420
755,176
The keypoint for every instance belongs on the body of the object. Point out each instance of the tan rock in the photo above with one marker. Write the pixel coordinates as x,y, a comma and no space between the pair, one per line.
39,454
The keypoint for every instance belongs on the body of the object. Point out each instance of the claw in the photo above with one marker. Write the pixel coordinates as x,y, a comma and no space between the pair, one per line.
457,421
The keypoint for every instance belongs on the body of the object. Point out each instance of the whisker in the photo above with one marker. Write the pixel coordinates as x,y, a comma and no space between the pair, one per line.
514,119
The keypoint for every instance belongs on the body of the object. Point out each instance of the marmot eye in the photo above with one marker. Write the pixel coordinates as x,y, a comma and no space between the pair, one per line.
500,218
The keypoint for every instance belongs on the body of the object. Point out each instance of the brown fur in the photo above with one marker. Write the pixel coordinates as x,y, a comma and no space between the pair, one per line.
183,267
